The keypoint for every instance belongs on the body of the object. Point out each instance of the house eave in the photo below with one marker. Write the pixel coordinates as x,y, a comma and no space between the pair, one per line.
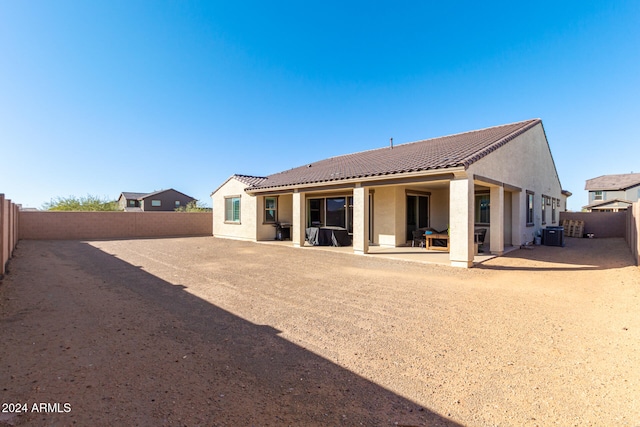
379,180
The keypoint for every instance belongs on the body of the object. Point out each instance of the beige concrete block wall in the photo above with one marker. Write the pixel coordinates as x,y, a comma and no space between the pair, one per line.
632,231
635,229
9,221
51,225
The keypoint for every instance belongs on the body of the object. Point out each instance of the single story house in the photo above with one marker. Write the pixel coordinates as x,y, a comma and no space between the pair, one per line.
612,193
163,200
501,178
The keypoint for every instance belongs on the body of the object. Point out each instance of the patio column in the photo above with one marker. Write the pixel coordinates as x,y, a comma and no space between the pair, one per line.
517,219
496,215
360,220
461,248
299,219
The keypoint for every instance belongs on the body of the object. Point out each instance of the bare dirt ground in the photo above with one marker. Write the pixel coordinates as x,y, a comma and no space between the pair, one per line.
210,332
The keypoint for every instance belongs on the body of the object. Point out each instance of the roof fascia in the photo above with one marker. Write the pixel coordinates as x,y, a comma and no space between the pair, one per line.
376,181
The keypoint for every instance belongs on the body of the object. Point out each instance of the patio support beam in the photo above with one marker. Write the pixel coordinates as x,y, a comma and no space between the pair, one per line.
496,215
361,220
517,218
461,214
299,219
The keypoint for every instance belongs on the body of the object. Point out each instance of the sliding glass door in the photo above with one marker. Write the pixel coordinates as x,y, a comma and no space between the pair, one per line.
417,213
335,212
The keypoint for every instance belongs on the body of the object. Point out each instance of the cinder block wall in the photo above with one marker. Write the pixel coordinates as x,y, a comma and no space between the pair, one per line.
51,225
9,219
601,224
633,231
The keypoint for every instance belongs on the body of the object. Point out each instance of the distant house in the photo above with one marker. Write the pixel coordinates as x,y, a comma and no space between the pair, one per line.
612,193
163,200
501,179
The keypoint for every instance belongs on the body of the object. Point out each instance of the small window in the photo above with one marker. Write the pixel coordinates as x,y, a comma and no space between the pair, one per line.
530,208
156,203
482,210
598,195
177,203
554,203
544,211
132,202
270,209
232,209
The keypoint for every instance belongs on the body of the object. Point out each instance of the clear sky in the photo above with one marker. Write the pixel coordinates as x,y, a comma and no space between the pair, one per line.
100,97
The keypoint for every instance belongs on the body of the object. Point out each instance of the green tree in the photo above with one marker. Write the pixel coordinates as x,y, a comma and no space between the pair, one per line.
89,203
193,206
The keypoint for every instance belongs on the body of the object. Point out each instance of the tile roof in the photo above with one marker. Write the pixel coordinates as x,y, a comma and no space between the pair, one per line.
249,180
444,152
613,182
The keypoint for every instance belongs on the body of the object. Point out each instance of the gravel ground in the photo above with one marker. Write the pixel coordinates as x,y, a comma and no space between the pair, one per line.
212,332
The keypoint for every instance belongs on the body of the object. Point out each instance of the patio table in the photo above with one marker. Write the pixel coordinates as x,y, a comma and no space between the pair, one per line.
328,236
438,236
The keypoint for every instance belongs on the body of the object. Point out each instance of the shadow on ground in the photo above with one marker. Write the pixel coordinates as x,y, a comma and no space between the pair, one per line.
122,345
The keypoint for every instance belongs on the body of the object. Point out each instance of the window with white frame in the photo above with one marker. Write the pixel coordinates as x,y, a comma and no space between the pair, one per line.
543,209
554,204
598,195
270,209
483,207
156,203
232,209
530,195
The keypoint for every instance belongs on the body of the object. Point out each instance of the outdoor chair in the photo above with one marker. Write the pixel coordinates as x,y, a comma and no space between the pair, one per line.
418,238
479,237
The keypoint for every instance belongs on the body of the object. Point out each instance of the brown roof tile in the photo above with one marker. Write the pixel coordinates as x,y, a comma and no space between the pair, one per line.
444,152
249,180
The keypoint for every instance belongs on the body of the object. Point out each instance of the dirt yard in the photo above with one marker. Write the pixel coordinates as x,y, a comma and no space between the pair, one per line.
210,332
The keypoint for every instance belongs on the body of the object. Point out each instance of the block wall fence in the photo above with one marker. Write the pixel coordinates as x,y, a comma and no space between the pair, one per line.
601,224
632,235
612,224
55,225
9,215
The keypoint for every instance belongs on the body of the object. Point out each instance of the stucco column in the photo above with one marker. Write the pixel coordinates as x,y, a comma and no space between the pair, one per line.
517,218
361,220
496,215
299,219
461,222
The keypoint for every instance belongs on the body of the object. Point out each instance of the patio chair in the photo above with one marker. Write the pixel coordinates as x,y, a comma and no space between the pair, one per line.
479,237
418,238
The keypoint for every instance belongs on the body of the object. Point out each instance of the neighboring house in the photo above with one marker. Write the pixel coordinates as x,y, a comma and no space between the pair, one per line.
163,200
612,193
501,178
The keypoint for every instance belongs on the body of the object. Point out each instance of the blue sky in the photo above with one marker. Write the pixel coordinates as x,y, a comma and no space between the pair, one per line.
102,97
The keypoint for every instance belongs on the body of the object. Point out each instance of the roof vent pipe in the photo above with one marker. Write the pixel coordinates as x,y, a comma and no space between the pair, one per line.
391,143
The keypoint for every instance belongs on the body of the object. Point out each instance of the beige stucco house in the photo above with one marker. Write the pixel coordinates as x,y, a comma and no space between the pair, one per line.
501,178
